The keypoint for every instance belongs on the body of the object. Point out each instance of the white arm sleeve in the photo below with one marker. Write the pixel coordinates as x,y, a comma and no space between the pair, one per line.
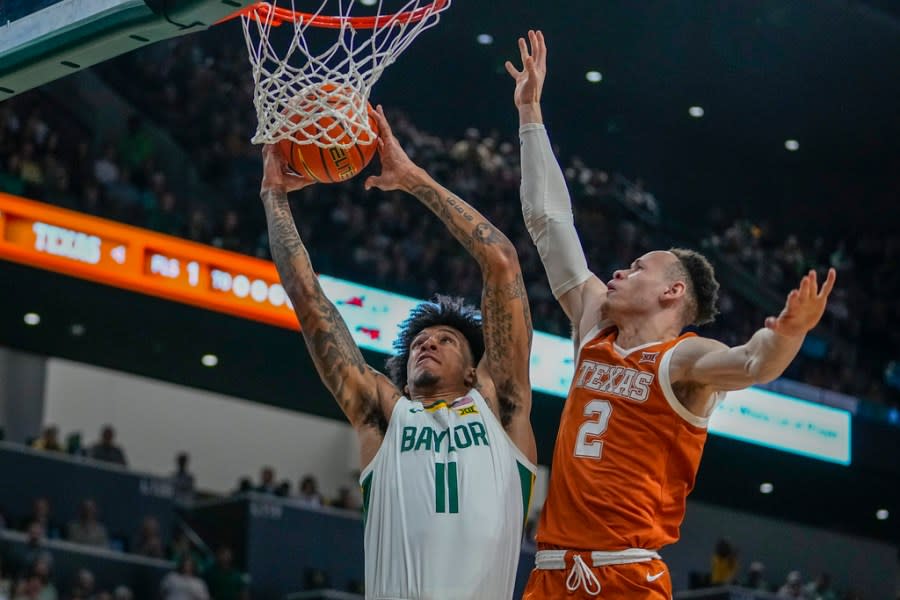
548,212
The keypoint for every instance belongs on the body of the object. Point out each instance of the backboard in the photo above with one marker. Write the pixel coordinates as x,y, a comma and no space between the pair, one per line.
43,40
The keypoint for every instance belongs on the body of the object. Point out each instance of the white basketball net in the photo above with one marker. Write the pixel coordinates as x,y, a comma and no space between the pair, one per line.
295,86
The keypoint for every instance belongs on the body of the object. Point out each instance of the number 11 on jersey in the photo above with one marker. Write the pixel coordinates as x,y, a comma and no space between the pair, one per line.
446,488
594,428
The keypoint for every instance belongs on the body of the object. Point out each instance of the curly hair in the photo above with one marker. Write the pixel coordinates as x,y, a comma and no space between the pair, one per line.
443,310
703,289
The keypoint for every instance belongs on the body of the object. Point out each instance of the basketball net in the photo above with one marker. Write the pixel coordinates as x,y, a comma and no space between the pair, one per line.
296,85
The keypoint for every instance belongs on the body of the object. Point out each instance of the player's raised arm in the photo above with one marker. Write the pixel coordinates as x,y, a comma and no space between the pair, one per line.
546,205
766,355
506,317
365,396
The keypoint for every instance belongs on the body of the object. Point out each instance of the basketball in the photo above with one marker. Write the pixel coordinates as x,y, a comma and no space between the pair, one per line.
330,164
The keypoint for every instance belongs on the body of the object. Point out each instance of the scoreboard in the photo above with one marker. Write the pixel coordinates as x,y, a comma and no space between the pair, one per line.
128,257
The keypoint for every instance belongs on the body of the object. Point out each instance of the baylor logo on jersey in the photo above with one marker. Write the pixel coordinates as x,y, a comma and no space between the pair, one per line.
428,438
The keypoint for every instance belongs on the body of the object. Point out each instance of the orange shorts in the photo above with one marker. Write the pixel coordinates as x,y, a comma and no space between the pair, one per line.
636,581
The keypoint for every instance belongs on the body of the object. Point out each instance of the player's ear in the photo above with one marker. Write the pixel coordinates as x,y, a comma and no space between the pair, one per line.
676,289
471,377
406,390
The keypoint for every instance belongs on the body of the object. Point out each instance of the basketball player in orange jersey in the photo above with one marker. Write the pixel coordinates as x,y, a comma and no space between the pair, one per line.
634,424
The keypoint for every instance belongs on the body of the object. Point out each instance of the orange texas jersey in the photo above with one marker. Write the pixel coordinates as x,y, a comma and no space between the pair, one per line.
626,454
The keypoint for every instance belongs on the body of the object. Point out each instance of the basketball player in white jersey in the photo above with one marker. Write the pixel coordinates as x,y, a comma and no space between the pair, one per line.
447,450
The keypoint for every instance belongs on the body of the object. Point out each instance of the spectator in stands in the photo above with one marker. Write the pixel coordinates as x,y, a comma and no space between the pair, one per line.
345,500
724,567
23,560
793,586
106,167
267,484
183,480
198,227
40,514
30,169
244,485
106,449
225,582
182,547
29,588
183,583
135,146
83,587
756,577
73,444
41,571
283,489
87,529
34,584
228,234
123,593
820,588
48,440
149,541
309,492
166,216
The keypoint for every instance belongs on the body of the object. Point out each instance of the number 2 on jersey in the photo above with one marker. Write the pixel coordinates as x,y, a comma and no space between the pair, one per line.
446,488
593,427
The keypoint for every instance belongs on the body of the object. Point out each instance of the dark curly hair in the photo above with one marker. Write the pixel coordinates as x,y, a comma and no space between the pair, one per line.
703,289
443,310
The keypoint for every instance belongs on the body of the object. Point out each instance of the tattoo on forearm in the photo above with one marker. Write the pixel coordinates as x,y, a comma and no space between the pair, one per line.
526,309
474,237
332,347
488,234
283,236
456,205
498,305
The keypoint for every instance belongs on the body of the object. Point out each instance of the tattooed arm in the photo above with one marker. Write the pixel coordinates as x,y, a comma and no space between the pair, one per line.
503,372
366,396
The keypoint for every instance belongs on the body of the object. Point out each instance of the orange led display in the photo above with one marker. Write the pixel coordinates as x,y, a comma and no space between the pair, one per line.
71,243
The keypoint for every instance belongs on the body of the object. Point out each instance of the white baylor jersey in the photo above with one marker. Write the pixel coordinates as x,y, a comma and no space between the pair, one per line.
445,498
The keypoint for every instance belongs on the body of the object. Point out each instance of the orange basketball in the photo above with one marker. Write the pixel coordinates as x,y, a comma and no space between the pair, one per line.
330,164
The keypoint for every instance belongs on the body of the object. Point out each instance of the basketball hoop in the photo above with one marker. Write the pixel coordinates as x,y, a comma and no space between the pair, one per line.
295,80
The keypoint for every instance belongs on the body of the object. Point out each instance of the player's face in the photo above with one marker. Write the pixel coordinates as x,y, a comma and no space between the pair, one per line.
638,288
436,354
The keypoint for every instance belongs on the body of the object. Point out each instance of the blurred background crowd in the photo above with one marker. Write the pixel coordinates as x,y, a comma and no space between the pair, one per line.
199,93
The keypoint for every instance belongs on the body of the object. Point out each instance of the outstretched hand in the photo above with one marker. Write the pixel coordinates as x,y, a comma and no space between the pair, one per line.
530,79
277,175
805,306
397,170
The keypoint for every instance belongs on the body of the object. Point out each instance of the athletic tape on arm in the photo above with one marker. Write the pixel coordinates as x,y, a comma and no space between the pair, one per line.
548,212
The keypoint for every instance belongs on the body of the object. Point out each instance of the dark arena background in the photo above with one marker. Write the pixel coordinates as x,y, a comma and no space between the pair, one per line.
139,300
